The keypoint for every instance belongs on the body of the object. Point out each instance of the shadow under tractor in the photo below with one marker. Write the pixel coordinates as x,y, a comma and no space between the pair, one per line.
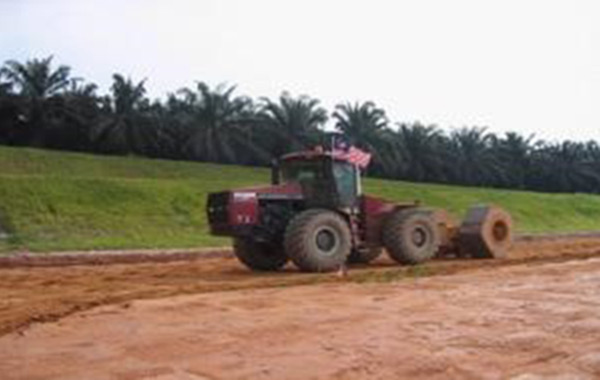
315,214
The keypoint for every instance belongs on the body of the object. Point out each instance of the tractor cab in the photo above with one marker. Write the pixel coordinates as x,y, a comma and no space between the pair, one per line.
326,180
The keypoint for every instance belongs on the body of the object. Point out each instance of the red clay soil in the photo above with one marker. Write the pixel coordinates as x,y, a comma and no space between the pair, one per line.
108,257
525,322
30,295
536,313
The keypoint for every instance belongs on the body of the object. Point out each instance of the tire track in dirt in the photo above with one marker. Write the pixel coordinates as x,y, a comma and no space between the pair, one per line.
33,295
135,256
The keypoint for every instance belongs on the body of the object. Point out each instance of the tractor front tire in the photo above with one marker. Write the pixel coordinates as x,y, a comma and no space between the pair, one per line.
259,256
411,236
318,240
364,256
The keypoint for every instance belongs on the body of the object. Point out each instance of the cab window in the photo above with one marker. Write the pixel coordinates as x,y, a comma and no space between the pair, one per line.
345,180
301,171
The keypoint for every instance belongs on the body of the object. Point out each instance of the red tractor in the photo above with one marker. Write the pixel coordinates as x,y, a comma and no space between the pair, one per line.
315,214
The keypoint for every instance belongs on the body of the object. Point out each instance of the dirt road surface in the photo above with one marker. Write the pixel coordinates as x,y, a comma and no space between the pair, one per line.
535,315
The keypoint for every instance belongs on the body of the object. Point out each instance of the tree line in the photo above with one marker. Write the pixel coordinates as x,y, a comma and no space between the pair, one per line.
43,105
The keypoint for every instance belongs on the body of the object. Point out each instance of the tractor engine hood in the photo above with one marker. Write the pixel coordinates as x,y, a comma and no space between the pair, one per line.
274,192
233,212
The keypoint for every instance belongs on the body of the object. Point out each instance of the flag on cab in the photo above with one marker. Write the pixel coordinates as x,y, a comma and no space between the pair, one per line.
341,148
358,157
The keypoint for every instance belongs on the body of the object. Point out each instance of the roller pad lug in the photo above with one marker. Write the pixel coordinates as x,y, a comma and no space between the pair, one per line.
486,232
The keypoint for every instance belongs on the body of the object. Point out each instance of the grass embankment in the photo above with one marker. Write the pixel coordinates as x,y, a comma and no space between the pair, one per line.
64,201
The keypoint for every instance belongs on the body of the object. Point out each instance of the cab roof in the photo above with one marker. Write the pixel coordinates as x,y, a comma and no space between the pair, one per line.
314,155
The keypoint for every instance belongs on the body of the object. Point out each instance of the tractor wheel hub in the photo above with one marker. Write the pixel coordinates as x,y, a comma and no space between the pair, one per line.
419,237
326,240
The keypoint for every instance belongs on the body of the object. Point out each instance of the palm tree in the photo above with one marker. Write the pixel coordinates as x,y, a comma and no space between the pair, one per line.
9,114
419,152
5,88
219,125
81,108
564,167
365,125
38,84
513,153
35,78
125,127
295,123
473,159
360,122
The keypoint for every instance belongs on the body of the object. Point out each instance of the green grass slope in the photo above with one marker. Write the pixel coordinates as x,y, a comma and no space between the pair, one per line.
65,201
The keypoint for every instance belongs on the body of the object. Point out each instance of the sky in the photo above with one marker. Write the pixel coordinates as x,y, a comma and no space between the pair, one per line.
530,66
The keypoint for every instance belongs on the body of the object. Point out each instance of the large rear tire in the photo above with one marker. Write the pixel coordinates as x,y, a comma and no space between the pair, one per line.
259,256
318,240
411,236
